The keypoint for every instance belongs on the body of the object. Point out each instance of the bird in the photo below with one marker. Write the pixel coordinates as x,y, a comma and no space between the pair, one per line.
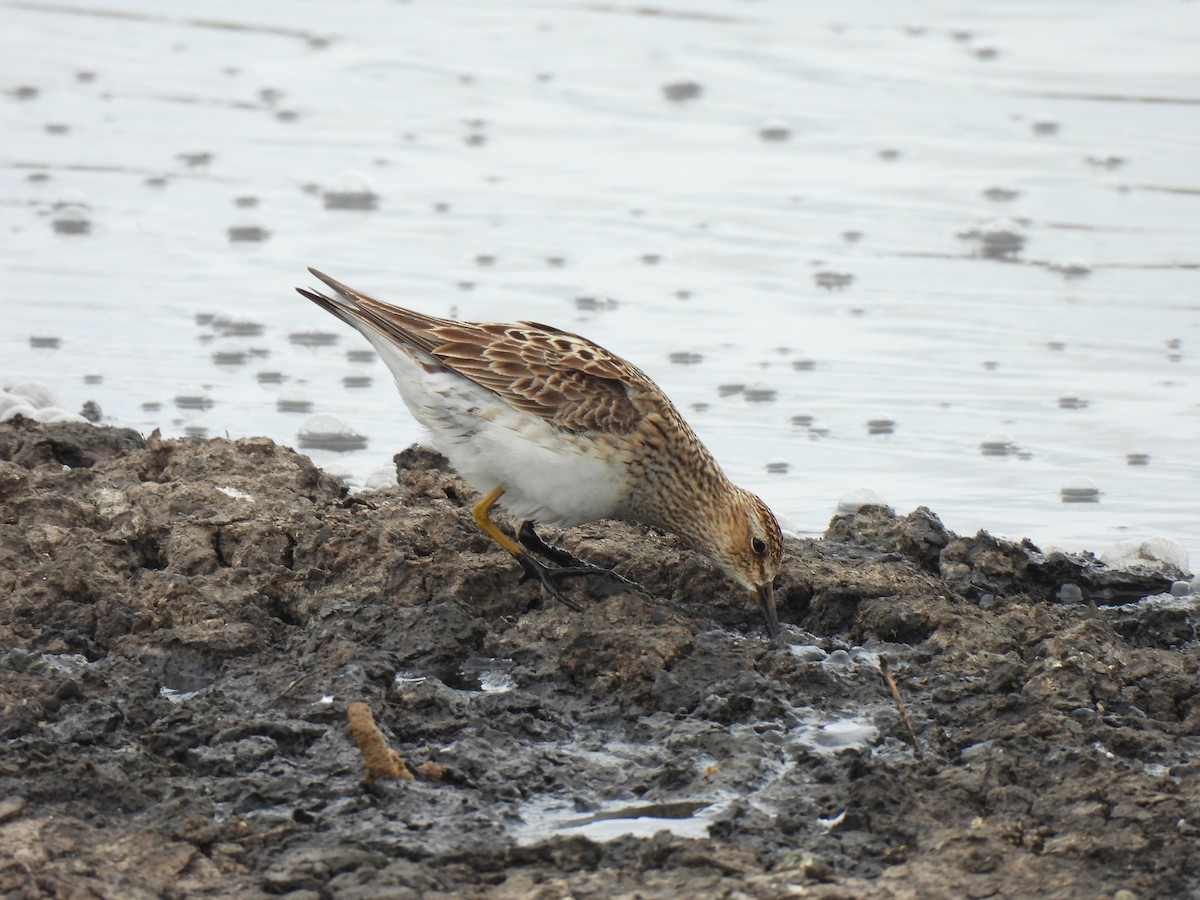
557,430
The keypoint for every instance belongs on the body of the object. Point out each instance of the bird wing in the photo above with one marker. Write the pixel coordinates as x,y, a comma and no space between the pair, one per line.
538,369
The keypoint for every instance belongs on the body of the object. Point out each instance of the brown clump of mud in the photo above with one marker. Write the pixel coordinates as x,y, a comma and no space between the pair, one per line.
184,624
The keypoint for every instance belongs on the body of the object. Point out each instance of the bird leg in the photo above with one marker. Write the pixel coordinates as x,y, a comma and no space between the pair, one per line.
547,575
534,541
531,540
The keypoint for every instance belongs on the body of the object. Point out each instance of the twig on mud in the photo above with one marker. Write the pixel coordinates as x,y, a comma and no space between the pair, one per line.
380,760
895,689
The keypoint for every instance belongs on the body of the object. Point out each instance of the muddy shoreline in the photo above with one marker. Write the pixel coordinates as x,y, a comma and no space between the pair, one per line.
184,623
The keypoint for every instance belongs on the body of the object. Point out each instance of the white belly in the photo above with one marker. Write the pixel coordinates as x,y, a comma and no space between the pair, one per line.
548,475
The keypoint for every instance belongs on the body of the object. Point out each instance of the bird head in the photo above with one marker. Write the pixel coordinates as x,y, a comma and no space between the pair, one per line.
749,547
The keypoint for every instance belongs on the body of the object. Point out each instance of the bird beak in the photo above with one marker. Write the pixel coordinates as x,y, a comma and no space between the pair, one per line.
766,600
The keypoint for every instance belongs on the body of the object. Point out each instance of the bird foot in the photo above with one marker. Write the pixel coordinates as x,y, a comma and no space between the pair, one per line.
549,575
568,563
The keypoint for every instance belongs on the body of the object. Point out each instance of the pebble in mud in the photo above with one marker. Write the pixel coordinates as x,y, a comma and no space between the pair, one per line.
854,500
293,402
759,392
1001,239
195,158
247,232
72,219
594,302
350,190
326,431
1161,553
775,131
1070,269
230,354
229,325
194,401
833,280
313,338
1001,195
1080,489
682,91
998,443
34,393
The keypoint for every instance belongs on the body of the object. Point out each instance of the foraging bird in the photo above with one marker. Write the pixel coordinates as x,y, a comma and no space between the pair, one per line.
561,431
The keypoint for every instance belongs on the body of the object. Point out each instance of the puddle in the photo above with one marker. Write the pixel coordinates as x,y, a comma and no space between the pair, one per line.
835,736
476,675
546,819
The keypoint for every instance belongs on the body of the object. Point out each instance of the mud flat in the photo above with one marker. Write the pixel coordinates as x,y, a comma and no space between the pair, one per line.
184,625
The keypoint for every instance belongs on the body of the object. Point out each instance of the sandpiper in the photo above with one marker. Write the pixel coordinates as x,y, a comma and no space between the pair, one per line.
560,431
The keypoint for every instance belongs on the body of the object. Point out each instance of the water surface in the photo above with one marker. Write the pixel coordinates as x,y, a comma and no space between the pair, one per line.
948,216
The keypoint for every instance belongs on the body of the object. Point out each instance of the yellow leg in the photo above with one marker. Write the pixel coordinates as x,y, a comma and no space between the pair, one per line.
480,512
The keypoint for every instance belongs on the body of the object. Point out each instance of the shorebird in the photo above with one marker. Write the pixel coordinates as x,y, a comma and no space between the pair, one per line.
558,430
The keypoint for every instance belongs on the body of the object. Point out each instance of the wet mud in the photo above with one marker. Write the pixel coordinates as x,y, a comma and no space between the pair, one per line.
185,624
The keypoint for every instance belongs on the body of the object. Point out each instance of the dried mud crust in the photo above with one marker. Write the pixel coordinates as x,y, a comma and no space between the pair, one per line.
183,625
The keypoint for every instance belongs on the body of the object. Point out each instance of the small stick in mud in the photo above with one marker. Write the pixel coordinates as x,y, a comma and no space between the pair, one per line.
380,760
895,689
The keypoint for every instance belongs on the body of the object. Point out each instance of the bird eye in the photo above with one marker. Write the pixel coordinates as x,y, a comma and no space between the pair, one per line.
759,546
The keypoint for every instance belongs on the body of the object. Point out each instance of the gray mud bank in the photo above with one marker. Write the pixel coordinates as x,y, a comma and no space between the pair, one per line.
183,625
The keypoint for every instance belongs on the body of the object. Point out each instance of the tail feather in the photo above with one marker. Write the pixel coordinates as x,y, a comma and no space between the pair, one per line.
326,303
368,314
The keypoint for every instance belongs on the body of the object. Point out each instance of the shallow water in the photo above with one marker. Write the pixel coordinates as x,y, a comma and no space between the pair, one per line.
950,218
